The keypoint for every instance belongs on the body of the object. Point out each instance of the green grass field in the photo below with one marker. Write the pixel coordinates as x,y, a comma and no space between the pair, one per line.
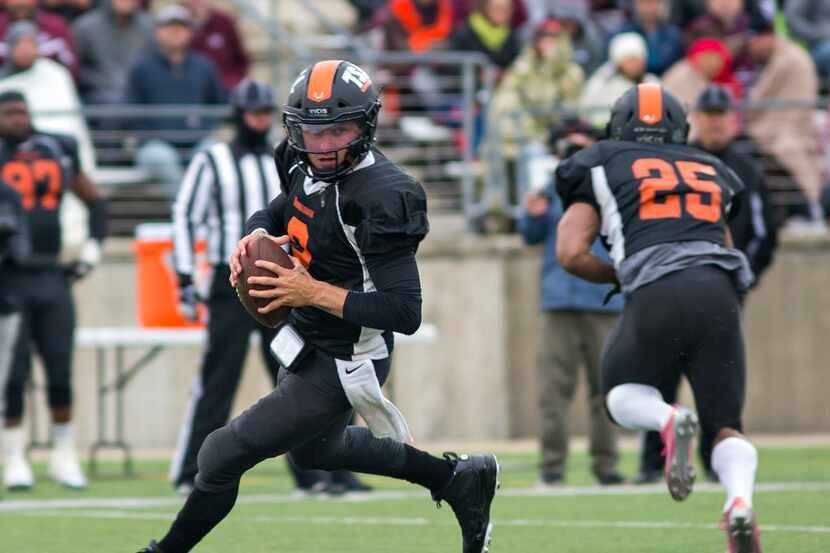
121,515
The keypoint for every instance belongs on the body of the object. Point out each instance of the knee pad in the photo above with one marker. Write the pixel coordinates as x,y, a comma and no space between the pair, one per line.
222,460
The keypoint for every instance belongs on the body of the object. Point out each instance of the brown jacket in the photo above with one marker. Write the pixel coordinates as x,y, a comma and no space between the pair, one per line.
789,134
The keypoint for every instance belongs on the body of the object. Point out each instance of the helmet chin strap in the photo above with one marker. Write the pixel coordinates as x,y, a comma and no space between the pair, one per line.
339,170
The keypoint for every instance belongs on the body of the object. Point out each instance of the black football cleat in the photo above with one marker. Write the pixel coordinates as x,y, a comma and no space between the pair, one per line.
152,548
470,493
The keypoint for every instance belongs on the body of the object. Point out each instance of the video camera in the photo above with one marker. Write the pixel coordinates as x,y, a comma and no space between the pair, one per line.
569,125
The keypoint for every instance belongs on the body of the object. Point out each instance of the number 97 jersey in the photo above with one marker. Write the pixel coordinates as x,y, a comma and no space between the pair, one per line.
648,194
41,168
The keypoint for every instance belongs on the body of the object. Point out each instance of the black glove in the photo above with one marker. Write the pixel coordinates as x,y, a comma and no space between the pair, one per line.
78,270
88,259
189,298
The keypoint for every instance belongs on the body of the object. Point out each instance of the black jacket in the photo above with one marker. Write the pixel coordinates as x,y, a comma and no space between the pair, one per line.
754,229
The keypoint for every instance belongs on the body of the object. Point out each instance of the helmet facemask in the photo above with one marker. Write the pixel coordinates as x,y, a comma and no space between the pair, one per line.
325,99
316,139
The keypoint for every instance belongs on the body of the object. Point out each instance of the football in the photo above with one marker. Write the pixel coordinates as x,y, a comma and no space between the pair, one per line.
261,248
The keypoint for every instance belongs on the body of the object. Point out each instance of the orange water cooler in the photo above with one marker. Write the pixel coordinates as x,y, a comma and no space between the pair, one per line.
157,281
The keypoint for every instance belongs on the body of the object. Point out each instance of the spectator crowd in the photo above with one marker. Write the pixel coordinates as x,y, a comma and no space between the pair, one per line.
548,57
555,57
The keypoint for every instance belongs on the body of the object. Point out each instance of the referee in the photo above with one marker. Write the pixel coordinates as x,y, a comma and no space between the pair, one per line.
223,186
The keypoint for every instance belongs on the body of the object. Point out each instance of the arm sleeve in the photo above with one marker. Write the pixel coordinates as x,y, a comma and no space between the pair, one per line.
189,211
98,217
272,218
396,302
765,228
573,183
735,188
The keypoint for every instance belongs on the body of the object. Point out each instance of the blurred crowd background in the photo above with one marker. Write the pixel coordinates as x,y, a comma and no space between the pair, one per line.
472,88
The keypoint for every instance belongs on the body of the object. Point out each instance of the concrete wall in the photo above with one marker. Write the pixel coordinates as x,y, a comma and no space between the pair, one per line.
477,380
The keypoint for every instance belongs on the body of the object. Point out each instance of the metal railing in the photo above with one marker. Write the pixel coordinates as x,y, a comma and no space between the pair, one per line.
428,125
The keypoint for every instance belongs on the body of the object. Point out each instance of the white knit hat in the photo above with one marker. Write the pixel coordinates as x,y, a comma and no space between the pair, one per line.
627,45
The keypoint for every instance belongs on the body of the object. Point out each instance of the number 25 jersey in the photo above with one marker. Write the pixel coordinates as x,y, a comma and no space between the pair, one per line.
649,194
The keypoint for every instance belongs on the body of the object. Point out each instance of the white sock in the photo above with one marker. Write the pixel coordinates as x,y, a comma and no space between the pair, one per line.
735,460
61,433
14,441
638,407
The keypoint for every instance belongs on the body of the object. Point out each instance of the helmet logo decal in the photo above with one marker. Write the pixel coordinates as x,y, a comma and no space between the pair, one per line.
357,76
321,80
650,98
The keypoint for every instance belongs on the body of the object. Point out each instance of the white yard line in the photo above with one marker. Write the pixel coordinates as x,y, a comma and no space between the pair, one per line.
564,491
419,521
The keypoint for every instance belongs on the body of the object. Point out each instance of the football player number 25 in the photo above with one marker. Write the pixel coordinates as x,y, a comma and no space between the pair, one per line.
659,175
24,177
298,232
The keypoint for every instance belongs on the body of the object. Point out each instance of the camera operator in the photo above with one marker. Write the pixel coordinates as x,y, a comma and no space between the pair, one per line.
575,321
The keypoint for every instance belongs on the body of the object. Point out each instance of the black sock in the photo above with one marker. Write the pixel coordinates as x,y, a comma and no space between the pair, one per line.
423,469
200,514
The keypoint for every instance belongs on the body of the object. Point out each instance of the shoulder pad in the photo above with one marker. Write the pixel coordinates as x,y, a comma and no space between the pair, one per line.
389,212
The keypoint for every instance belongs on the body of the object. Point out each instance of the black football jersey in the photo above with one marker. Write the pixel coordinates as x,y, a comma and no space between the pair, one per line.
333,227
648,194
41,168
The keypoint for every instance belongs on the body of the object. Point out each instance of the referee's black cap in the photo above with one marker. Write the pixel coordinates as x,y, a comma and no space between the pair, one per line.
252,95
715,98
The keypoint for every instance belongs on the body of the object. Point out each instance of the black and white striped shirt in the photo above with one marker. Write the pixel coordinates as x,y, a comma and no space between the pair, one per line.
220,190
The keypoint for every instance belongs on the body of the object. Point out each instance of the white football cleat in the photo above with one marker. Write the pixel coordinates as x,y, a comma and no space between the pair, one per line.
64,467
17,473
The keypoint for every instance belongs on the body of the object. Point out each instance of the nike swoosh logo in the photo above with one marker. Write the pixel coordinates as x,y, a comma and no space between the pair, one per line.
353,370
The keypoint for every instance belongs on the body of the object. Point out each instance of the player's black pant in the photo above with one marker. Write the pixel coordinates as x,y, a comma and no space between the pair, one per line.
48,327
229,331
686,323
307,415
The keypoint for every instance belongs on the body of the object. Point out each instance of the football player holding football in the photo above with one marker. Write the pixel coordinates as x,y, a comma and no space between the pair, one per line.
352,221
661,208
